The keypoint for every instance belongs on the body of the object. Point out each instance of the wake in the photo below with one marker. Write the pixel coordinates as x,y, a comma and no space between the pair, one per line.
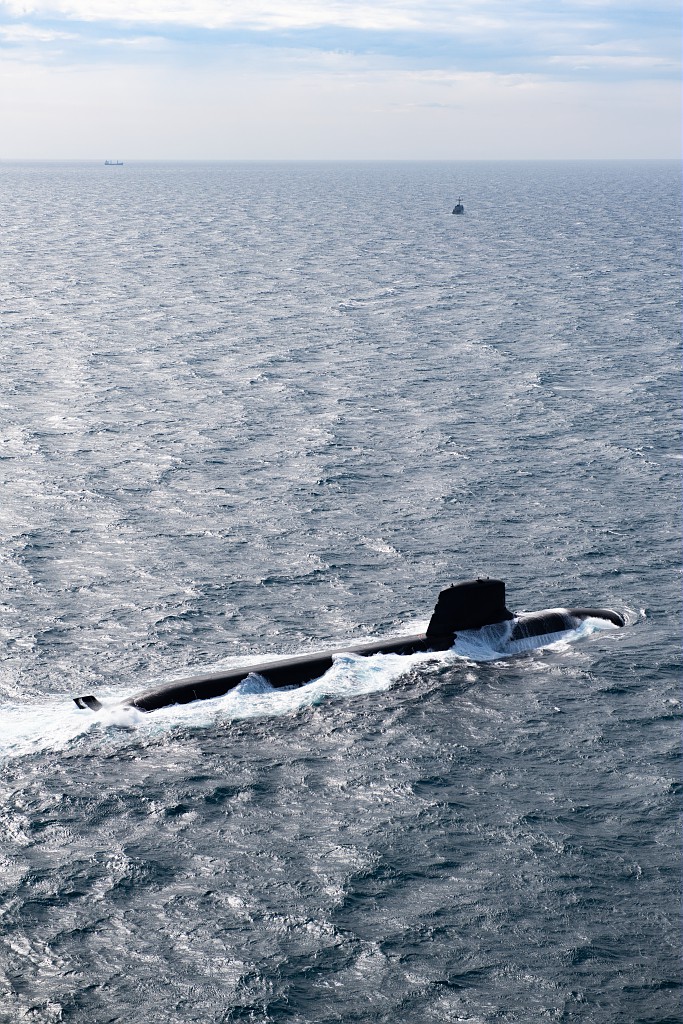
55,724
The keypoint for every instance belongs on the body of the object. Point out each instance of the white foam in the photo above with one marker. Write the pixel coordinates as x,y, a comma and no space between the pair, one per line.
492,643
56,723
29,728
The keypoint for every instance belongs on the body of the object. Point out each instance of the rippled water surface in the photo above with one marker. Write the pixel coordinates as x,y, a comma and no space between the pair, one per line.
255,409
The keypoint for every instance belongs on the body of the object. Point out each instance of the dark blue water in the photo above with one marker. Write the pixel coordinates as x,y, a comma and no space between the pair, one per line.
254,409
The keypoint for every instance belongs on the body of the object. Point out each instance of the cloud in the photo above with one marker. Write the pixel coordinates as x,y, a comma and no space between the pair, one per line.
22,33
379,15
438,78
532,36
613,62
383,15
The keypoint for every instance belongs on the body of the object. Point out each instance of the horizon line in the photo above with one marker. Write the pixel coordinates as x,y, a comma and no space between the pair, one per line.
328,160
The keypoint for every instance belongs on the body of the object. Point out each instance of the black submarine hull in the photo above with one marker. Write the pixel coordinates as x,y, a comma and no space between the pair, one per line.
464,606
287,672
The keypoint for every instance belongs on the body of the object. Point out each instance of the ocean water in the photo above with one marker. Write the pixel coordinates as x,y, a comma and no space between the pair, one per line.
256,409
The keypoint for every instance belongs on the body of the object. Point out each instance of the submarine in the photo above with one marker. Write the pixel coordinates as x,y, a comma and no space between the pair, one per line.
473,610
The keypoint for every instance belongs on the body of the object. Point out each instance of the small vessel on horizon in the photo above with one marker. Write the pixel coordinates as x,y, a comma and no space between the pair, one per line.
459,208
113,163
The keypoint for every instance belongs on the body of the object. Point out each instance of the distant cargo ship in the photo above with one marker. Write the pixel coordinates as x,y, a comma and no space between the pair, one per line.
113,163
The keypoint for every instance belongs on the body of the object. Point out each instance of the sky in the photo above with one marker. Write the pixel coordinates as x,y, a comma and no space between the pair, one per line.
339,79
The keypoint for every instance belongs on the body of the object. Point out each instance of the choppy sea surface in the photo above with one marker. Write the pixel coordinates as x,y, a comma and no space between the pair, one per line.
256,409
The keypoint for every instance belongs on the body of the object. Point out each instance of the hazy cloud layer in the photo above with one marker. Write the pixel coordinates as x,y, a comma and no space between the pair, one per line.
579,63
532,35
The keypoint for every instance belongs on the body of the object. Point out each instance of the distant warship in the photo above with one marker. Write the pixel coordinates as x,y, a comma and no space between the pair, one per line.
459,208
116,163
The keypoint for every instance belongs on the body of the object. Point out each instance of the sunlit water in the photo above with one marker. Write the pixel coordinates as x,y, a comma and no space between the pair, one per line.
254,410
